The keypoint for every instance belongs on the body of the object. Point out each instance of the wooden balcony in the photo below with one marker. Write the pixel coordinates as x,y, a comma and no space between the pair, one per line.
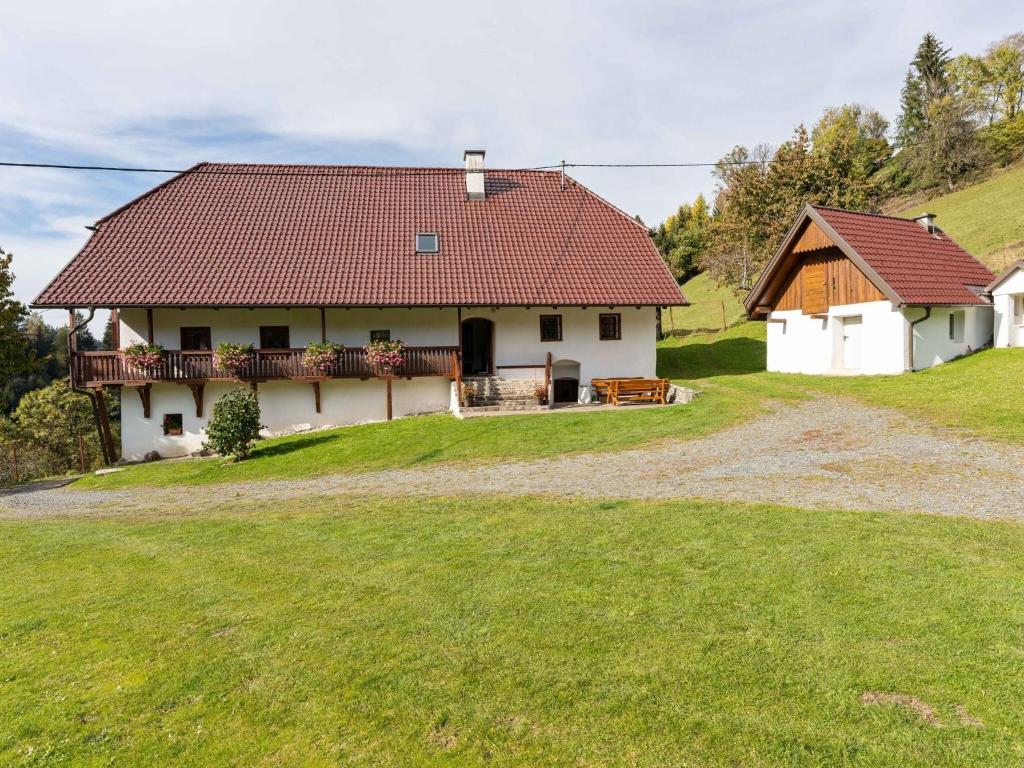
99,369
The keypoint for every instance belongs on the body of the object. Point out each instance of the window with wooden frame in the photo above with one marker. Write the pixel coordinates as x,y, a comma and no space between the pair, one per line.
550,327
196,338
274,337
383,334
610,326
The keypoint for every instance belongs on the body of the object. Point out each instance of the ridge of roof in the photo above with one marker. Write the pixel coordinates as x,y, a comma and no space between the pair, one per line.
862,213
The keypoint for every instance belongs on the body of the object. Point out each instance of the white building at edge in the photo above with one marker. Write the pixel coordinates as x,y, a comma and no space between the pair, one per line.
1007,293
496,276
857,293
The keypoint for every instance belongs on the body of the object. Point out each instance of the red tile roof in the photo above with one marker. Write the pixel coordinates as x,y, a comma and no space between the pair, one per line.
920,267
222,234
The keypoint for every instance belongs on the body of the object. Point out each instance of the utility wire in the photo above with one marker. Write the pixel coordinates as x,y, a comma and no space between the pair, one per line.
372,171
339,171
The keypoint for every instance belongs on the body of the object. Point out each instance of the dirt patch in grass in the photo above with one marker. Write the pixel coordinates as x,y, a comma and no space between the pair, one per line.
443,736
912,703
966,718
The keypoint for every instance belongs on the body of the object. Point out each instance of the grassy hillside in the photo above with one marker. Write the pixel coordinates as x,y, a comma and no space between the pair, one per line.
987,219
710,305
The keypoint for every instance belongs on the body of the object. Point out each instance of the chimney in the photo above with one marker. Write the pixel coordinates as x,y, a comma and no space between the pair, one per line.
927,220
474,174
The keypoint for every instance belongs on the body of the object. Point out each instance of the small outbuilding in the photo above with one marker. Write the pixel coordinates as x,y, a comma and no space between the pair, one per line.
1007,292
862,293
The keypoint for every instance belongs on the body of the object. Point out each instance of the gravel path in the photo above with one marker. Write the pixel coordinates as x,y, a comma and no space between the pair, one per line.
821,453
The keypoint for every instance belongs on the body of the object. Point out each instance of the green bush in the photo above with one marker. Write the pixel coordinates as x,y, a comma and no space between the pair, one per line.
234,425
1005,139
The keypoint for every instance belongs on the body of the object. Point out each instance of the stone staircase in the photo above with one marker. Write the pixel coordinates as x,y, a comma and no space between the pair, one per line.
496,394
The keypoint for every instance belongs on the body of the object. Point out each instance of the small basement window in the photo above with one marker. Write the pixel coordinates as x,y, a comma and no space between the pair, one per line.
172,424
381,335
550,327
428,242
610,327
956,327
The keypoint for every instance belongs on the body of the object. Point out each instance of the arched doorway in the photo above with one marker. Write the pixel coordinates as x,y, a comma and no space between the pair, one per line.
477,346
565,377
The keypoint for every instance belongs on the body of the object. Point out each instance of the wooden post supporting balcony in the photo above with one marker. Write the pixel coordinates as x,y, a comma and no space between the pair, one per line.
144,394
197,388
72,337
388,380
108,437
316,395
115,328
323,330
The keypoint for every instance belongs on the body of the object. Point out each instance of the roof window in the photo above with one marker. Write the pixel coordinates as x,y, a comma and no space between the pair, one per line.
428,242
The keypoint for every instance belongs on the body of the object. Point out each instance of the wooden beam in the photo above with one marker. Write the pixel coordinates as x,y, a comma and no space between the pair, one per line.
197,388
115,327
72,336
255,392
323,331
108,437
149,325
316,395
387,380
144,395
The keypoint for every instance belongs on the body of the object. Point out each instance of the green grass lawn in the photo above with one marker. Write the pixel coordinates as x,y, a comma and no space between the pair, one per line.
987,219
507,632
710,305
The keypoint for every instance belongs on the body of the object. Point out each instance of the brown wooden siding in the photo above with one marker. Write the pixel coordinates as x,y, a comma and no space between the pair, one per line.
812,239
824,279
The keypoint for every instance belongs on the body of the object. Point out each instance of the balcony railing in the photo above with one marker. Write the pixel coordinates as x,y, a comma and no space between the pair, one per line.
109,368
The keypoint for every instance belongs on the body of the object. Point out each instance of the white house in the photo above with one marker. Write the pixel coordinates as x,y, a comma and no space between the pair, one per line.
860,293
494,277
1007,293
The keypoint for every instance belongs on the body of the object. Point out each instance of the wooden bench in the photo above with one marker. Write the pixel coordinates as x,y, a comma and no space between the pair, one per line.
601,387
622,391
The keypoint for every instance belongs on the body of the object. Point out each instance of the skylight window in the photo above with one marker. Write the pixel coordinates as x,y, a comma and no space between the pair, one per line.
428,242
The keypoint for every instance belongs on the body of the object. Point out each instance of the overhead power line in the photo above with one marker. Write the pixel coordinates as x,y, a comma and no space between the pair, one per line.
376,171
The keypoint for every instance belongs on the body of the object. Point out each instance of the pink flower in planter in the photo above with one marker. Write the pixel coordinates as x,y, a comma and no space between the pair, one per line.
233,358
385,357
144,356
322,358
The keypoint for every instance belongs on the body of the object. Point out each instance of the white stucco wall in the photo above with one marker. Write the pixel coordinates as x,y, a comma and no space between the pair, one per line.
932,344
1008,333
807,344
288,406
814,345
517,341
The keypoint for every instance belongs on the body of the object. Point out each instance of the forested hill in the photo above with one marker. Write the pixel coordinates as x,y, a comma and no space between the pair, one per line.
956,147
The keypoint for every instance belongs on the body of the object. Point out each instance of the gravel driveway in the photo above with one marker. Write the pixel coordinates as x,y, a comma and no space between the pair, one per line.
822,452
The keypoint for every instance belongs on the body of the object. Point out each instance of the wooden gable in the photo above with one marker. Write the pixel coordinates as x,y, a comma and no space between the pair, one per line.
819,276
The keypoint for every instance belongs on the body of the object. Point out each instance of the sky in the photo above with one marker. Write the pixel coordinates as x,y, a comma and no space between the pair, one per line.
168,84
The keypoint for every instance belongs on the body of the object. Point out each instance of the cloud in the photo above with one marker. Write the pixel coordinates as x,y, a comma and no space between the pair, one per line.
166,84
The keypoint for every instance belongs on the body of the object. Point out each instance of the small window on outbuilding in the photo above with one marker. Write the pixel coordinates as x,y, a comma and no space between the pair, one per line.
550,327
172,424
381,335
956,327
428,242
610,326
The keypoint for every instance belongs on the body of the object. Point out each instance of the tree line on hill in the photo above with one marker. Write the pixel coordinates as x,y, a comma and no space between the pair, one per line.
959,117
45,427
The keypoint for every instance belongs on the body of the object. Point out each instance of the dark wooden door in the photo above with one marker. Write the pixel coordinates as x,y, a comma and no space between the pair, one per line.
477,346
